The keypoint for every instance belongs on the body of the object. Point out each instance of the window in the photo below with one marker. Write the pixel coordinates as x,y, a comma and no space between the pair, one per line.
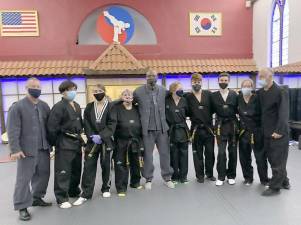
279,33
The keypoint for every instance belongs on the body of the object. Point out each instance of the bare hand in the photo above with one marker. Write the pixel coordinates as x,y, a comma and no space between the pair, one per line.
18,155
276,136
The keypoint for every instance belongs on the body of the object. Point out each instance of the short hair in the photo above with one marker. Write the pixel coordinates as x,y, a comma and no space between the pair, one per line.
224,74
247,80
101,86
127,91
66,85
151,72
267,70
173,86
196,77
31,79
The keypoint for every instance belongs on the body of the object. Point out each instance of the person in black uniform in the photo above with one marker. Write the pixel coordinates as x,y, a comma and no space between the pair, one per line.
225,107
176,113
129,144
98,129
275,115
250,134
64,129
200,113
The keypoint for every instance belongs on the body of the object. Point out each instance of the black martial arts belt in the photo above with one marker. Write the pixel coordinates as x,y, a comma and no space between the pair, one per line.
220,122
173,127
200,126
140,149
76,137
242,131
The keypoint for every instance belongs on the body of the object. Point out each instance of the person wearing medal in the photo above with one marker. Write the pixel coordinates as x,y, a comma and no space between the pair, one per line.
97,126
226,123
129,144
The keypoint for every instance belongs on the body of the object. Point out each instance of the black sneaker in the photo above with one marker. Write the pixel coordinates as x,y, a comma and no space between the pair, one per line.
248,182
136,186
41,202
270,192
184,181
286,186
200,180
24,215
211,178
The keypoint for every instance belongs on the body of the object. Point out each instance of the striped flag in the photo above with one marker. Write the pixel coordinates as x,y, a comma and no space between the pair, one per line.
19,23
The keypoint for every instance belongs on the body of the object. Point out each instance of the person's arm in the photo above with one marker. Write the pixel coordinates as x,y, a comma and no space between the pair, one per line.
14,129
283,113
87,122
54,123
108,131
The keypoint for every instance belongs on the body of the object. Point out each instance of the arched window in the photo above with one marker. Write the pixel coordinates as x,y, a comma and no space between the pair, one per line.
279,33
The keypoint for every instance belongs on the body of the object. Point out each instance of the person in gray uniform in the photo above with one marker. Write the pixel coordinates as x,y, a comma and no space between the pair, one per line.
151,105
26,129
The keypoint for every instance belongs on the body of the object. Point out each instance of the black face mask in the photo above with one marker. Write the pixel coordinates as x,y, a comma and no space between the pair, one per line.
151,82
99,96
180,93
34,92
196,87
223,85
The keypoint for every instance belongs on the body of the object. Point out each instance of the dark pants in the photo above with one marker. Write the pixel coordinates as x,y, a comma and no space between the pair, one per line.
90,168
227,137
277,152
179,160
67,166
161,141
126,161
203,144
245,156
34,171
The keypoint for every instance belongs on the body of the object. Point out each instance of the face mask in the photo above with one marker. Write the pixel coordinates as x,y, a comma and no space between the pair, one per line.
99,96
246,91
70,95
262,83
34,92
196,87
151,82
223,85
180,93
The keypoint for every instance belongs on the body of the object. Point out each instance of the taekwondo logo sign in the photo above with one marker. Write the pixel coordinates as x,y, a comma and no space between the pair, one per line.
205,24
115,24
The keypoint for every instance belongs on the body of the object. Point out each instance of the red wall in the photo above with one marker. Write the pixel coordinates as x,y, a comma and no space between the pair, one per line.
60,21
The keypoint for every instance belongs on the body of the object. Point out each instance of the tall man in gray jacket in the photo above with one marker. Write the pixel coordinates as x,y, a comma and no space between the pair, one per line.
151,104
28,145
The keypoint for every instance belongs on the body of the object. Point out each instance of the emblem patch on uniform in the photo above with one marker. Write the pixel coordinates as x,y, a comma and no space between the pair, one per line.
132,121
201,107
177,110
225,106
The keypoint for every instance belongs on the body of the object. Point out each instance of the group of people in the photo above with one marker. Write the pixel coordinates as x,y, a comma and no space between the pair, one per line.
126,131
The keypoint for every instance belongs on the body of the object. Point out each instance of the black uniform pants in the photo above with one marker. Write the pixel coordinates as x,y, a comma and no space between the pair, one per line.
203,144
67,166
90,168
227,137
126,161
245,156
179,160
277,152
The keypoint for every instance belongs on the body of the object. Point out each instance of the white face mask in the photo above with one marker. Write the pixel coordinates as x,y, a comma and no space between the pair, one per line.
262,83
246,91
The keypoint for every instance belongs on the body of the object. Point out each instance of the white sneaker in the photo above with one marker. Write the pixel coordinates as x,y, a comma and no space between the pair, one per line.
219,182
106,194
148,185
65,205
231,181
79,201
170,184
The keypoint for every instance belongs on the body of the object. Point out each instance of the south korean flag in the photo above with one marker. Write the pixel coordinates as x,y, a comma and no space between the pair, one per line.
205,24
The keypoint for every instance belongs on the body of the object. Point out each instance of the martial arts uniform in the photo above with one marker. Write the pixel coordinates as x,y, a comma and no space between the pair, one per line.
26,129
226,126
251,137
178,137
129,146
275,115
64,128
202,135
97,123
